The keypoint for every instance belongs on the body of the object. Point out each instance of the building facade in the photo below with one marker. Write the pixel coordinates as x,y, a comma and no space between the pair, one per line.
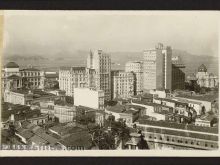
21,98
15,78
204,79
101,62
75,77
65,113
137,68
34,76
123,84
11,77
89,98
157,68
178,75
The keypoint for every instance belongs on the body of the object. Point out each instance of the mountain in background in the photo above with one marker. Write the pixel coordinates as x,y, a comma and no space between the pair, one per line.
119,59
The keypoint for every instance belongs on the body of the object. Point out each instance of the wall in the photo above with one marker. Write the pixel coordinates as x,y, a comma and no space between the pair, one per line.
88,98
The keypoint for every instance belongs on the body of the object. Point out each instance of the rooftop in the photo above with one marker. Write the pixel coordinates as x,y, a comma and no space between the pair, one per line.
65,129
36,92
48,138
11,65
167,124
25,133
80,107
14,77
209,98
20,112
80,139
117,108
38,140
149,103
52,75
170,100
30,69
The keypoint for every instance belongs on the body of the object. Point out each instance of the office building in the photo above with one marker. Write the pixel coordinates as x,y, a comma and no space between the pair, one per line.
101,62
157,69
137,68
122,84
75,77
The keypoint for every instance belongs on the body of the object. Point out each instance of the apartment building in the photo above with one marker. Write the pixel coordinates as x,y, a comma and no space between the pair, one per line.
123,84
74,77
137,68
101,63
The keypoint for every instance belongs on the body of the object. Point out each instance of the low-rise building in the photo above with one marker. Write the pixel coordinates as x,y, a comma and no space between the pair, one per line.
24,135
65,112
129,113
27,97
163,135
89,98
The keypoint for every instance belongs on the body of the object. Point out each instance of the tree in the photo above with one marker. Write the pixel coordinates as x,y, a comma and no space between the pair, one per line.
203,110
142,144
106,138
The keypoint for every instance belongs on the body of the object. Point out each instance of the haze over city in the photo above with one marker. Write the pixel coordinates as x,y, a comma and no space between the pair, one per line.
53,33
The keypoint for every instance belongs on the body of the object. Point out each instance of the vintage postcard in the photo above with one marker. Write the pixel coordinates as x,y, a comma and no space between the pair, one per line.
85,83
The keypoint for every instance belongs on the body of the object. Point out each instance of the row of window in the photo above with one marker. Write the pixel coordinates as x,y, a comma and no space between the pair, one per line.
30,73
169,139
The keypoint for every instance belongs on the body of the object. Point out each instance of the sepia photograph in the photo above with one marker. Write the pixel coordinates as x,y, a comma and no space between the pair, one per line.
109,80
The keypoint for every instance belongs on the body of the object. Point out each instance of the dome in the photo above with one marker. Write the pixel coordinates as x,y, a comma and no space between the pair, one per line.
11,65
202,68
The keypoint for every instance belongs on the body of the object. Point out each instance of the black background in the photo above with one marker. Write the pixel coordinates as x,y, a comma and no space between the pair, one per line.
111,4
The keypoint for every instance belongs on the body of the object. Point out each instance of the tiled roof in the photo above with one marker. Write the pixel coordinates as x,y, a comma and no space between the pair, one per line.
25,133
38,140
81,139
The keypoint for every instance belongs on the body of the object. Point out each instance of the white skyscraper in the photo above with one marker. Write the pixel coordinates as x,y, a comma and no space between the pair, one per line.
157,68
101,62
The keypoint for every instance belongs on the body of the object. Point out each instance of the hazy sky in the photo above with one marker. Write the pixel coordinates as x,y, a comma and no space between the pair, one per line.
51,32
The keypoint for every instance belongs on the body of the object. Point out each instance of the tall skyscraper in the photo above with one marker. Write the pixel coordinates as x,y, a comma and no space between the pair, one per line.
157,68
137,68
101,62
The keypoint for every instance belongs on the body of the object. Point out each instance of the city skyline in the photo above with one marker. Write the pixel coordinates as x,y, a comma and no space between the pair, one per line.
53,33
160,99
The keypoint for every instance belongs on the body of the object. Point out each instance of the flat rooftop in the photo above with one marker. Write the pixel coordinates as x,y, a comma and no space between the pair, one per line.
209,98
190,127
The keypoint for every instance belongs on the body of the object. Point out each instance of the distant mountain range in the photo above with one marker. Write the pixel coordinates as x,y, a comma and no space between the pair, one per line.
119,59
